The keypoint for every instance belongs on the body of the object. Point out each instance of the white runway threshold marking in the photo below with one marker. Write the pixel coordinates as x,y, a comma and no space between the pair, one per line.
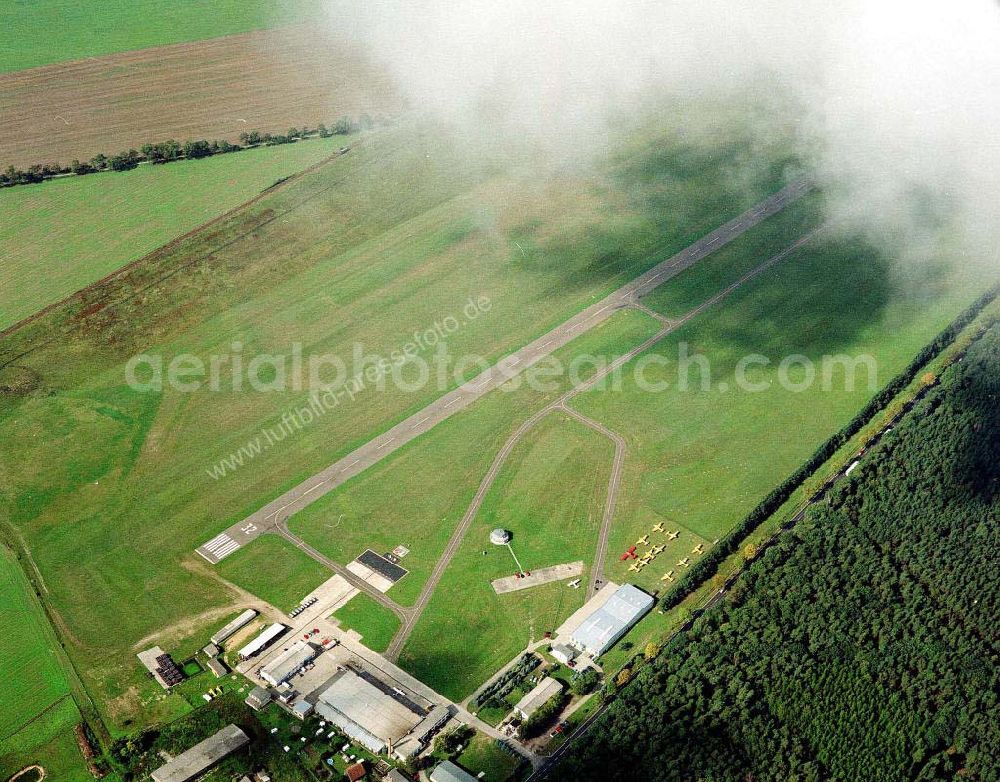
220,547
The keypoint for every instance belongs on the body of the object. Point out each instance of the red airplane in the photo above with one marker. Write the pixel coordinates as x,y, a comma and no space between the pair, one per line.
630,554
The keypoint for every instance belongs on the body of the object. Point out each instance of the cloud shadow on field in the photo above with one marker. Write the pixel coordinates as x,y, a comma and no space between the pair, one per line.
821,300
638,208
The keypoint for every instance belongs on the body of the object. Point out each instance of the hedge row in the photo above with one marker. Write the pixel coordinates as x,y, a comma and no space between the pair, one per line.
170,151
704,568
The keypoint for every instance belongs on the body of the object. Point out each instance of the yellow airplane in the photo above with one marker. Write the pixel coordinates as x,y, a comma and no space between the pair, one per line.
683,562
669,576
658,528
697,549
640,565
673,535
634,567
646,558
657,550
642,541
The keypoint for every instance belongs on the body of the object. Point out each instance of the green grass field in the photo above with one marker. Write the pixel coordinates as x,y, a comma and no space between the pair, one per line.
64,234
439,473
275,571
376,623
483,756
47,31
550,494
366,250
699,459
37,713
699,283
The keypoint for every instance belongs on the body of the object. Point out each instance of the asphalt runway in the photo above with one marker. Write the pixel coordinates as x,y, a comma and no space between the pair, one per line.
271,517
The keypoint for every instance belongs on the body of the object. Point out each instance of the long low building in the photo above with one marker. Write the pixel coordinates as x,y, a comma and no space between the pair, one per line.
237,624
602,629
202,756
262,641
365,712
541,694
288,663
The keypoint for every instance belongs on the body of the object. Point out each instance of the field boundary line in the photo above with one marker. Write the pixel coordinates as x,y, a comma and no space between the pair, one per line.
155,254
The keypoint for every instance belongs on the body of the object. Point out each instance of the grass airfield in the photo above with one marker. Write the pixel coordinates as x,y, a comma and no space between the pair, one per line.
369,248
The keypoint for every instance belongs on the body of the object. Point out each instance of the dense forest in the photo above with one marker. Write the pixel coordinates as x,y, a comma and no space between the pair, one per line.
863,646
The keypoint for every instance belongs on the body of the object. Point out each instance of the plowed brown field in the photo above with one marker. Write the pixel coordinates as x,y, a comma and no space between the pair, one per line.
268,80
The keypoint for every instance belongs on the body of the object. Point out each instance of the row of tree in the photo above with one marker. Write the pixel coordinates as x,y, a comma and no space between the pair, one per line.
169,151
862,645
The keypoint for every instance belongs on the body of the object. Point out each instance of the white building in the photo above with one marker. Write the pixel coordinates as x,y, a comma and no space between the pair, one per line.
202,756
541,694
446,771
288,663
564,654
241,621
262,641
602,629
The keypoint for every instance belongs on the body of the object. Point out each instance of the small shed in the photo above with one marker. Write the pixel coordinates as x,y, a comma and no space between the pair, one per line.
216,666
356,772
211,651
563,653
258,698
302,709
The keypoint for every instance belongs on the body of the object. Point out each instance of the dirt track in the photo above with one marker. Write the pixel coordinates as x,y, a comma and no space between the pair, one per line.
267,80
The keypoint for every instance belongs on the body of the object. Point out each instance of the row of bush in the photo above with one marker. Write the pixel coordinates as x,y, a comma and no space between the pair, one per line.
504,685
702,570
170,151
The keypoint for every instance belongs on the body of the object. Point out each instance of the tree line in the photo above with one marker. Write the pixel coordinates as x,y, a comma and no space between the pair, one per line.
861,646
171,150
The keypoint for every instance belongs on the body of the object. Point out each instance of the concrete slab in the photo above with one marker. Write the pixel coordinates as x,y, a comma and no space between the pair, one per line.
545,575
380,582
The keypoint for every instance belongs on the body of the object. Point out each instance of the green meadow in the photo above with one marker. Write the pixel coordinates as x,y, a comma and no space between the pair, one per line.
274,570
37,712
550,494
439,473
48,31
701,457
64,234
374,622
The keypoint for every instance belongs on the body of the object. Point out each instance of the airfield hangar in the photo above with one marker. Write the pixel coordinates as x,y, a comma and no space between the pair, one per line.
202,756
368,711
602,629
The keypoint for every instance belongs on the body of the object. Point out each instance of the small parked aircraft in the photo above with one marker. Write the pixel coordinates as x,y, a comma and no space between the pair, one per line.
629,554
673,535
658,527
642,541
657,550
668,576
683,562
574,584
